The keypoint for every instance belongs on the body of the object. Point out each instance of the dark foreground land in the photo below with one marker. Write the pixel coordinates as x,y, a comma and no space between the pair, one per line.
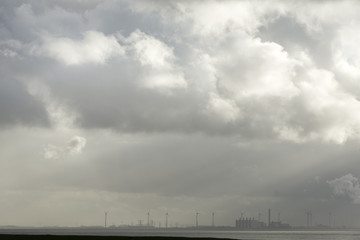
72,237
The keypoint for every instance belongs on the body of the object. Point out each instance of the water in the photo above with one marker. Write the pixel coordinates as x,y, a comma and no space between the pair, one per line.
278,235
249,235
286,235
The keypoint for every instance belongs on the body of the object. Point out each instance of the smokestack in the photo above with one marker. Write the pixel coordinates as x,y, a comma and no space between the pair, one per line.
269,217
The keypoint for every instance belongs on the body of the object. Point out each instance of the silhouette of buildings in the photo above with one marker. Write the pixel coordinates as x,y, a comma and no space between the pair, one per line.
279,225
249,223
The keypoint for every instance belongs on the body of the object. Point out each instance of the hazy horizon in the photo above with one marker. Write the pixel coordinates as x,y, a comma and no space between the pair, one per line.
178,107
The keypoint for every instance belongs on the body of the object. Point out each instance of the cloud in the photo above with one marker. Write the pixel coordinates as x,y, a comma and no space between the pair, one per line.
95,47
346,186
73,147
250,68
18,107
150,51
226,110
346,54
10,48
201,72
59,114
157,60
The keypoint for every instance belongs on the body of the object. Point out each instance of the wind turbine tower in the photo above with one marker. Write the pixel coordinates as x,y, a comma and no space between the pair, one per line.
309,219
213,219
197,221
148,218
166,220
105,218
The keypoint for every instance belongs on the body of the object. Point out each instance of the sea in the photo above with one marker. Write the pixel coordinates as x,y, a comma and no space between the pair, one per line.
250,235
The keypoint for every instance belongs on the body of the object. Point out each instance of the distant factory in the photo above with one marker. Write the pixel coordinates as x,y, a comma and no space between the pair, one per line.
251,223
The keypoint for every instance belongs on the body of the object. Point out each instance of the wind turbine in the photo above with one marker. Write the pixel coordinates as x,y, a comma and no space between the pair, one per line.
148,218
197,222
213,219
166,220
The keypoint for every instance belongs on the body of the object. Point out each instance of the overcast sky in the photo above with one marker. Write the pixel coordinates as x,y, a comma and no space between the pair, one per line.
179,106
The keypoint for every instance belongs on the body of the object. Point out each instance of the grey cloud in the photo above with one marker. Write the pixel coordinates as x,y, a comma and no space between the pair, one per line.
346,186
199,166
73,147
121,16
18,107
232,83
95,47
23,22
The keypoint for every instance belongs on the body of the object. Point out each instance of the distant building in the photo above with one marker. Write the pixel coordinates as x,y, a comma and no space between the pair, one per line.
279,225
248,223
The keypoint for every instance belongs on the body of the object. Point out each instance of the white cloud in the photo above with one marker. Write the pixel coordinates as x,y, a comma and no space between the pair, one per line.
335,110
52,152
151,51
164,80
346,51
319,16
223,68
289,134
226,110
159,70
60,115
347,186
95,47
211,19
248,67
73,147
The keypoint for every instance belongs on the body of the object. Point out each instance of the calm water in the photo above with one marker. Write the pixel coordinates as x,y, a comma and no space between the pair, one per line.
286,235
279,235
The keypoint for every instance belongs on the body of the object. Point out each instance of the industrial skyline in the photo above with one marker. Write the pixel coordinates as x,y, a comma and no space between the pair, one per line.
243,222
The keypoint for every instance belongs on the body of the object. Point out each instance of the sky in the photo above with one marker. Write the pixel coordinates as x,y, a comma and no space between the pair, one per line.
178,107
